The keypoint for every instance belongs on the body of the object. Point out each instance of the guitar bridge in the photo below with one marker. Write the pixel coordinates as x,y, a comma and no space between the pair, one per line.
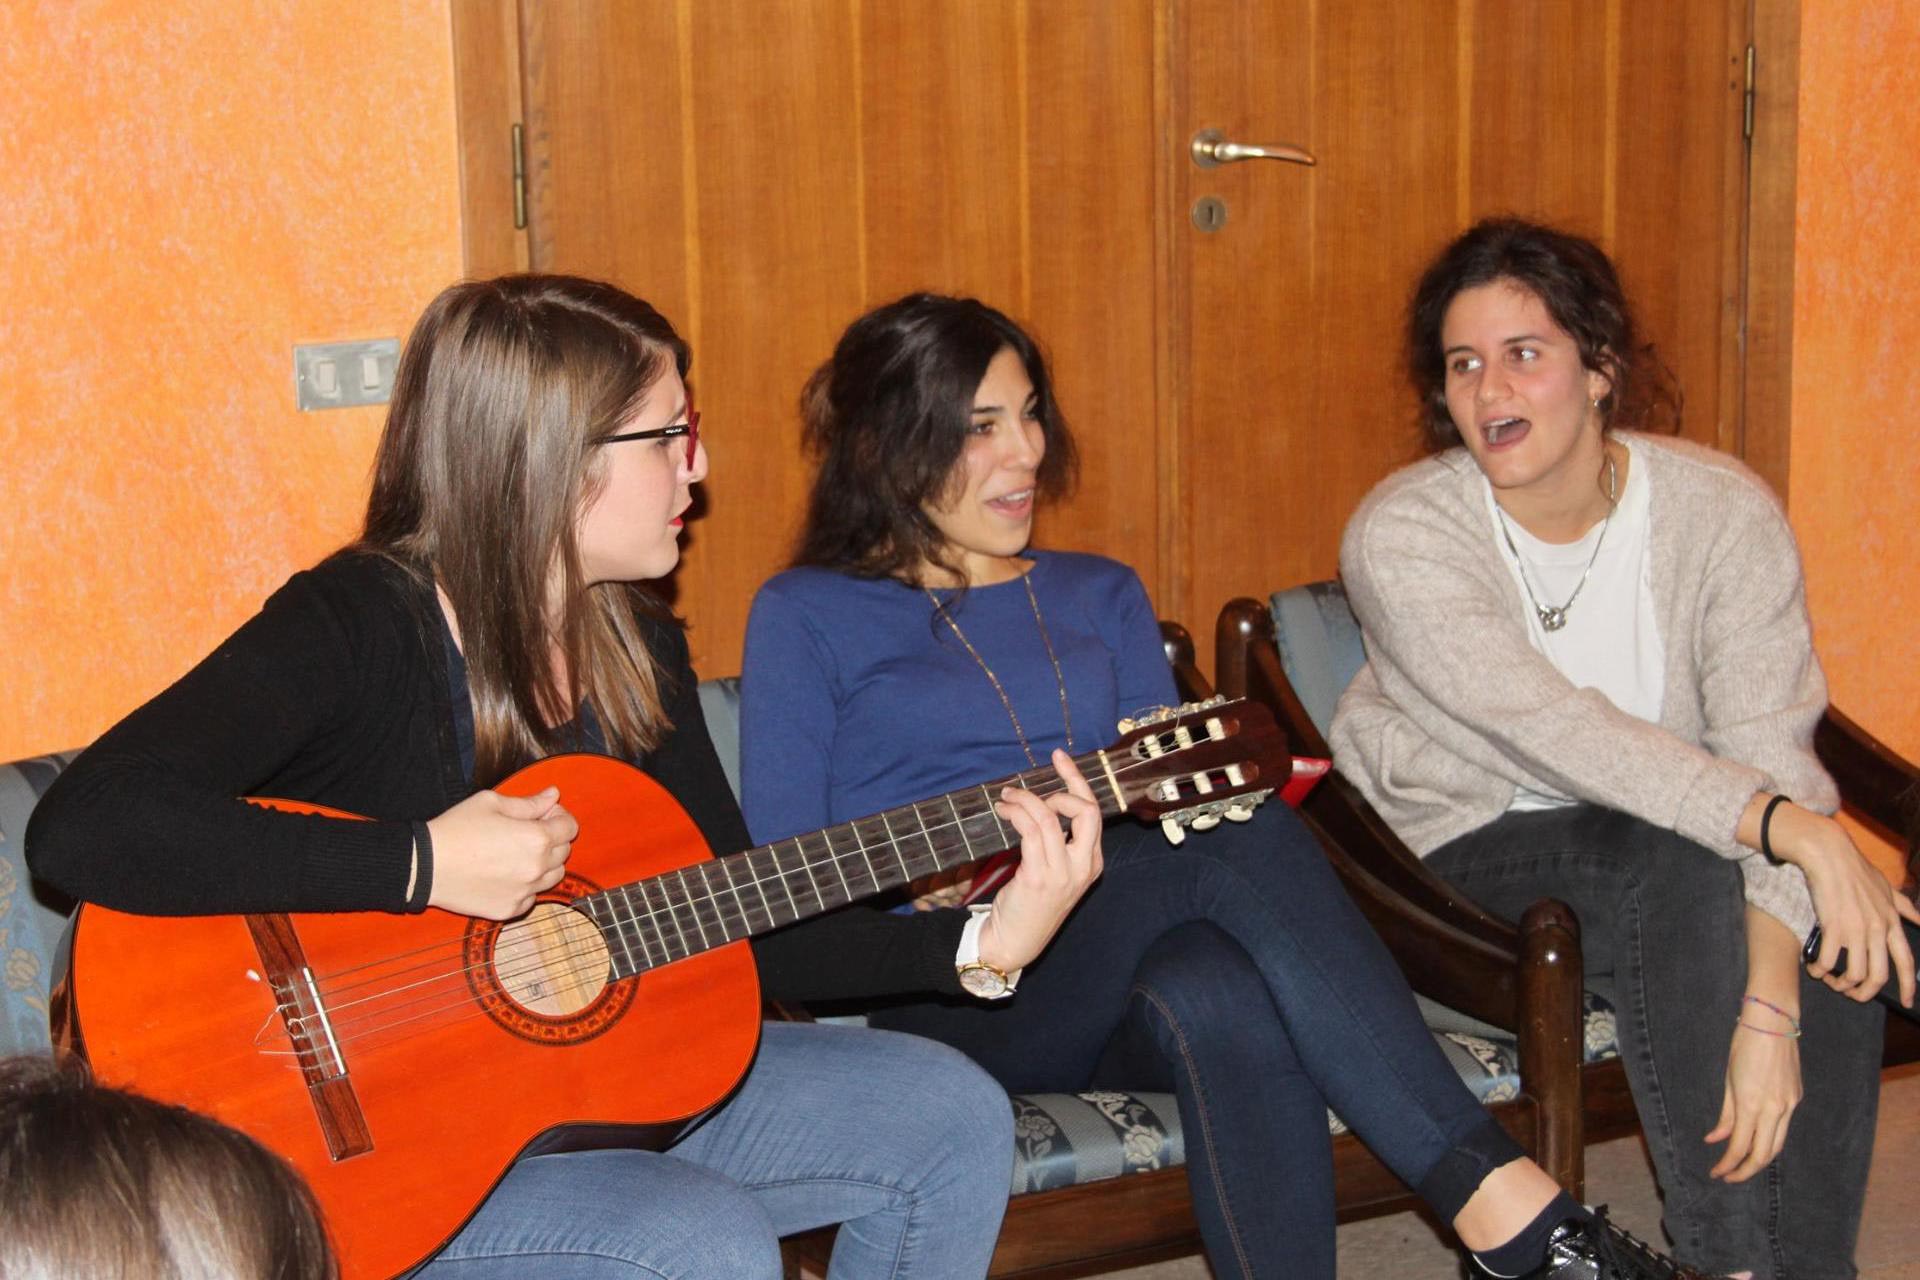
335,1105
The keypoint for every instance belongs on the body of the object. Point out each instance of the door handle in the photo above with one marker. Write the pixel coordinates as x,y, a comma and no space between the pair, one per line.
1211,150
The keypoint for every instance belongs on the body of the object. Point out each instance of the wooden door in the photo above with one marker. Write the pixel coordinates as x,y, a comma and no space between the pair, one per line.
764,172
1620,120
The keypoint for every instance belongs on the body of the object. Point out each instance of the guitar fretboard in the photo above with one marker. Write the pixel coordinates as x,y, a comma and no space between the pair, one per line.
664,918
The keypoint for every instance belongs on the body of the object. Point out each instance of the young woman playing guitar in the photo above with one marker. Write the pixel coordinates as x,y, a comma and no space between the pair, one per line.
536,463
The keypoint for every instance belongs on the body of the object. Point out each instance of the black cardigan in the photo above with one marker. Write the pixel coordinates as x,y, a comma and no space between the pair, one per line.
336,693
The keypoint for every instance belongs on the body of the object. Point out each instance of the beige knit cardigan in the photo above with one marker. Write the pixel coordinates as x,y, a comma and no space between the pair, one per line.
1455,708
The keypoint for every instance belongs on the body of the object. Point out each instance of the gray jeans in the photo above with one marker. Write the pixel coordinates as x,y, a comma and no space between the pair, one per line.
1663,932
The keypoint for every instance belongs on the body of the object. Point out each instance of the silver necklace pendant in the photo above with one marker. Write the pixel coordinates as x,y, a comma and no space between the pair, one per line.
1552,619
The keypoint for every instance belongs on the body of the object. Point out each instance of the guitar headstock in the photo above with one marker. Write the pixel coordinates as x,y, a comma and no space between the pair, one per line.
1192,765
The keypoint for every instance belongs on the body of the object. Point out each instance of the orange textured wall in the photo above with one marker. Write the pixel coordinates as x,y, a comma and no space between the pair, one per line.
1855,464
193,188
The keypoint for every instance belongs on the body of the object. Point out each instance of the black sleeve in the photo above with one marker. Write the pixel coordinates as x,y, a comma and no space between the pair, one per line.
148,818
856,952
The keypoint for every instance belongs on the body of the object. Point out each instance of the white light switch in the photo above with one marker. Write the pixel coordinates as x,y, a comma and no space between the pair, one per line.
336,375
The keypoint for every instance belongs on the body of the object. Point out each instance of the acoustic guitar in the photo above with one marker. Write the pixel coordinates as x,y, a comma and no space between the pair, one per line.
402,1063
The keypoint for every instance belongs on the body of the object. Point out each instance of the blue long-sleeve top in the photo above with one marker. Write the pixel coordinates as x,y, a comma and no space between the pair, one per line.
855,697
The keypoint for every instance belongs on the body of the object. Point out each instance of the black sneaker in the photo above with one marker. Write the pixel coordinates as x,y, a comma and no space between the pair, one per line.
1595,1249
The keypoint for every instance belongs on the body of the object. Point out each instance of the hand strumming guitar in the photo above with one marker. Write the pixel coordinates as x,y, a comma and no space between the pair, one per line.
492,854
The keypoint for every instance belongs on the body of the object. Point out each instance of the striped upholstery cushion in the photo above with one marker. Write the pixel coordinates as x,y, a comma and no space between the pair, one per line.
32,917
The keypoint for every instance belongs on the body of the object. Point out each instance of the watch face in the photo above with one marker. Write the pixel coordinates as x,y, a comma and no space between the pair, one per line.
979,980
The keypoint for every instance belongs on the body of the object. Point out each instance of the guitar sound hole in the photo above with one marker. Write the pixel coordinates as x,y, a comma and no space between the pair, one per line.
552,961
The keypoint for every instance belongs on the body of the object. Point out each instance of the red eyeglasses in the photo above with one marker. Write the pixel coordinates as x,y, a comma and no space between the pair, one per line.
690,429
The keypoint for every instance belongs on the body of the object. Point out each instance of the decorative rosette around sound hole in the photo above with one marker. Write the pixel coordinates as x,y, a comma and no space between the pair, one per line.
546,976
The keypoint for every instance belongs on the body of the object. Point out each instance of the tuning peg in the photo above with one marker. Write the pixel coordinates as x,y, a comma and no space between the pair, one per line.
1176,834
1206,821
1239,813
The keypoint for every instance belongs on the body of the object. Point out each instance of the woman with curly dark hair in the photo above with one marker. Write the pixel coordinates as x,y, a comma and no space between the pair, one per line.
1591,676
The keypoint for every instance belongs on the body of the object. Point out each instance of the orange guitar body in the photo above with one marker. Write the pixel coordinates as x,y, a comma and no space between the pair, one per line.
453,1059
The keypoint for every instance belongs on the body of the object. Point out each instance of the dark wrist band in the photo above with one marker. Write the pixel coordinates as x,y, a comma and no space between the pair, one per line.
422,868
1766,823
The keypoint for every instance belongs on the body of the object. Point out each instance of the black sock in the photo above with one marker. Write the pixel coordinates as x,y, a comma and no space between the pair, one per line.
1527,1250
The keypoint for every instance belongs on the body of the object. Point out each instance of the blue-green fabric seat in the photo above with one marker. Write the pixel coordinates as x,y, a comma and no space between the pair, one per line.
33,918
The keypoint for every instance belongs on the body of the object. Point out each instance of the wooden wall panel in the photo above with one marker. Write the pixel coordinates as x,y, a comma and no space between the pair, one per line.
1679,185
1538,111
1093,183
776,253
943,143
604,121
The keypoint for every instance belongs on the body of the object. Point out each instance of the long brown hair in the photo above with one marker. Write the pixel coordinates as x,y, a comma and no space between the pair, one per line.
484,466
96,1182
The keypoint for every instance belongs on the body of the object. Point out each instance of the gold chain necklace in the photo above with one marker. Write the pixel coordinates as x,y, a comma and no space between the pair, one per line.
1060,681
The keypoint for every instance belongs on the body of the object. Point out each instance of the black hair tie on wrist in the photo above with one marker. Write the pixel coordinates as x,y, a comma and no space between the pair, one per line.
1766,823
423,868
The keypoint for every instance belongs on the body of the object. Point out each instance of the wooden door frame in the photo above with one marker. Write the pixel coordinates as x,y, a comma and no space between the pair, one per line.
488,103
1766,419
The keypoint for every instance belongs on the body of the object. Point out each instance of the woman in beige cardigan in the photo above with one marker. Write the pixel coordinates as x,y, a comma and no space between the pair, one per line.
1590,675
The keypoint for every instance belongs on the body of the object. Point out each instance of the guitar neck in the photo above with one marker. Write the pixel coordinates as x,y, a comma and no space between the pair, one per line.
669,917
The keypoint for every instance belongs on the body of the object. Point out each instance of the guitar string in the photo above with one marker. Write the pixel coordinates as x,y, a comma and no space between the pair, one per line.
594,944
713,898
693,901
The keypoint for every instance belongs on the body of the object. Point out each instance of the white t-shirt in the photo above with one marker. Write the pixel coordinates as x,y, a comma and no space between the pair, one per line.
1611,640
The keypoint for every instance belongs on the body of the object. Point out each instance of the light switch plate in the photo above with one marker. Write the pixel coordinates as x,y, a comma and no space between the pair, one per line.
336,375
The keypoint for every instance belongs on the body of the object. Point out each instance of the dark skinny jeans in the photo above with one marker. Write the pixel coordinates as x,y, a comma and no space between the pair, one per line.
1236,971
1663,931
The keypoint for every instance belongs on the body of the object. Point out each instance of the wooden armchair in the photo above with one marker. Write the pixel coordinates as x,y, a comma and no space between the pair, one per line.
1585,1103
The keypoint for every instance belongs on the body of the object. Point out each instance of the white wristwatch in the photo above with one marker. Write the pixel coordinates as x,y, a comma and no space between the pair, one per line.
977,979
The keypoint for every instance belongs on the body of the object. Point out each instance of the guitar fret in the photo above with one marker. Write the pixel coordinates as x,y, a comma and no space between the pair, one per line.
721,924
960,825
806,865
691,907
666,907
999,827
647,928
739,903
1106,774
780,873
873,876
760,878
599,906
926,834
824,888
707,912
906,873
833,858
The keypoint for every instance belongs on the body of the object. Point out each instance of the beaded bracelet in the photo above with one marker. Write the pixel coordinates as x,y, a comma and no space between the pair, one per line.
1792,1021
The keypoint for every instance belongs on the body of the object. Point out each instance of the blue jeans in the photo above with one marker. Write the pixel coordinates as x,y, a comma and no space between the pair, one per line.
906,1143
1235,969
1663,931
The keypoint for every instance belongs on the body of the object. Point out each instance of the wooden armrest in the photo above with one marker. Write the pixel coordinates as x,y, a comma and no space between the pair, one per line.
1247,662
1876,783
1178,642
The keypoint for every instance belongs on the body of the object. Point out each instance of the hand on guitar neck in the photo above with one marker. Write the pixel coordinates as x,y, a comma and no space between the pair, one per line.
494,854
1055,867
